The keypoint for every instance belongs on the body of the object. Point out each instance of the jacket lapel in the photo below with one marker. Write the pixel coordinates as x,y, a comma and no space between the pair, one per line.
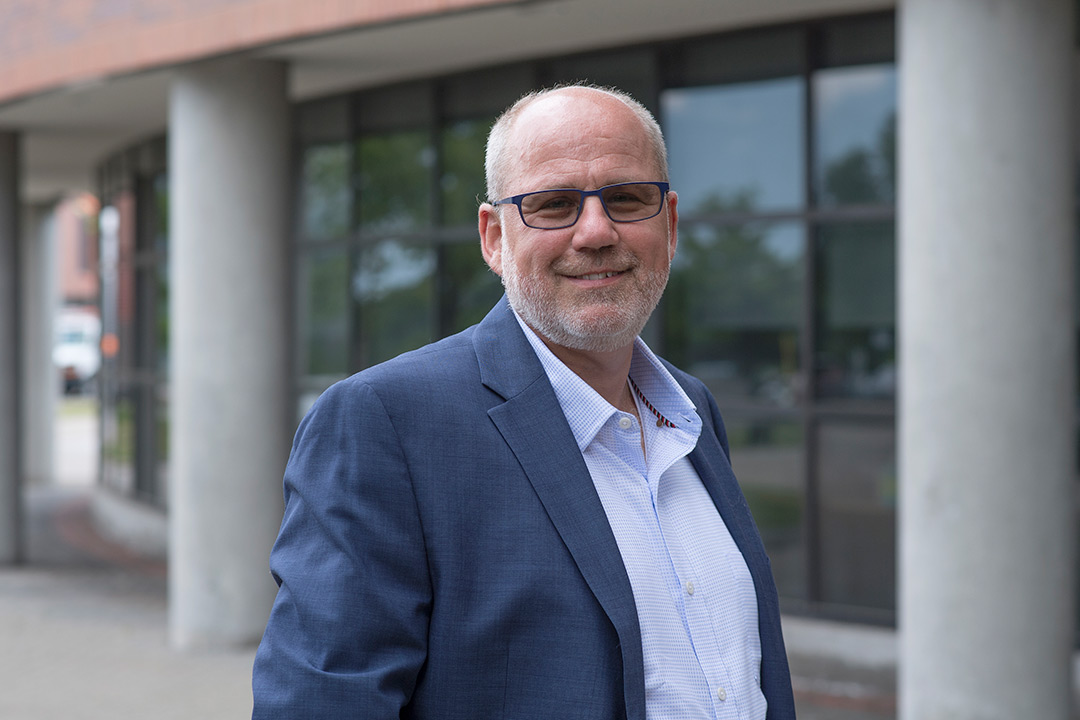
709,459
533,424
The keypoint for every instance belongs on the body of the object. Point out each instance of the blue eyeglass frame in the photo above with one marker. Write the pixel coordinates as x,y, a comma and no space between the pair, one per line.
517,199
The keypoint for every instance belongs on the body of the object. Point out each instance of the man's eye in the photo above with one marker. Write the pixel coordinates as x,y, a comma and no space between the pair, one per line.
553,204
561,203
623,198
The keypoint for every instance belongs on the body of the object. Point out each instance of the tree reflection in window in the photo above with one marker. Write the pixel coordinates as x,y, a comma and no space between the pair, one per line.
733,306
393,287
326,196
393,180
855,121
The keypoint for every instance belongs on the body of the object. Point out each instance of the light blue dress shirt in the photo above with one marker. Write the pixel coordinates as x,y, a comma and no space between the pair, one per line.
695,598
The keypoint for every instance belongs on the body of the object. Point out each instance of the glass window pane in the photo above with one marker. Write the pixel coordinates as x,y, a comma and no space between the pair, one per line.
395,107
462,181
161,269
162,319
485,92
753,55
732,311
736,147
323,294
857,477
855,137
394,290
160,205
324,120
858,41
632,71
469,290
768,456
161,444
394,181
325,195
145,422
118,440
856,344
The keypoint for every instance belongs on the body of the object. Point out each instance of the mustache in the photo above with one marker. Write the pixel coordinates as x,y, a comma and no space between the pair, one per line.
605,259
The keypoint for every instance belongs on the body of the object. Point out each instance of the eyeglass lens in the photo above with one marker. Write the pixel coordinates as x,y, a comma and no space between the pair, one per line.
627,202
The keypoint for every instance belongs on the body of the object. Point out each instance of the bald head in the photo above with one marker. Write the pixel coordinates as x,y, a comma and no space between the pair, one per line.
547,106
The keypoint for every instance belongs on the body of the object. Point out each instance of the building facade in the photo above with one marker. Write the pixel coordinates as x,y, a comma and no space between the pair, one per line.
868,192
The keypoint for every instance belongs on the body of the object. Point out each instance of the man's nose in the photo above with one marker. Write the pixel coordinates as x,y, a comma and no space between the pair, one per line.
594,229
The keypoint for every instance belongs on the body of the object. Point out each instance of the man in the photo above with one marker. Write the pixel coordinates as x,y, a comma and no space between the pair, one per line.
535,518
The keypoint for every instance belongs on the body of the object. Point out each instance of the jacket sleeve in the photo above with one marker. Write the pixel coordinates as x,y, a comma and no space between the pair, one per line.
347,634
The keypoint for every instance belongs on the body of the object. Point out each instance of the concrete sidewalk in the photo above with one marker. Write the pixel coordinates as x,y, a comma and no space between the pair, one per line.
83,628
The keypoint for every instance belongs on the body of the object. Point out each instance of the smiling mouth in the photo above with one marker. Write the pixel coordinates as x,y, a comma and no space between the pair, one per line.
598,276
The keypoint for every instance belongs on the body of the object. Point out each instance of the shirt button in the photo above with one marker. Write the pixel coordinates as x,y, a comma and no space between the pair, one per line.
721,694
689,588
625,422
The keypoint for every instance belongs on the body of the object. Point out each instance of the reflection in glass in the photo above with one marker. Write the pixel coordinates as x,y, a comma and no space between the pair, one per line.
161,271
161,446
394,180
469,290
856,344
857,478
462,181
393,287
326,199
118,443
855,138
161,213
768,456
736,147
161,320
732,311
324,318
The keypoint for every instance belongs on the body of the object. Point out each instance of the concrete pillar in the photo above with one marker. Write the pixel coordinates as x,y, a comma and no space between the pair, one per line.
11,545
988,398
230,346
40,380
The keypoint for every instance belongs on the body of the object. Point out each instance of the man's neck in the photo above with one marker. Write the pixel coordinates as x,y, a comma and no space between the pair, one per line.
604,371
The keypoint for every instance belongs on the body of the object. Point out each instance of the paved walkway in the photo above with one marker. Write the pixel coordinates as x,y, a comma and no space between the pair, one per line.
84,631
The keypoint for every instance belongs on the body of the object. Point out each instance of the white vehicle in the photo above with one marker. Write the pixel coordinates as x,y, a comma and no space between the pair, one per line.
77,351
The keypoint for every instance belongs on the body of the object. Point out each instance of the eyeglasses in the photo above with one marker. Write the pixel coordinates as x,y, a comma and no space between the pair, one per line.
557,209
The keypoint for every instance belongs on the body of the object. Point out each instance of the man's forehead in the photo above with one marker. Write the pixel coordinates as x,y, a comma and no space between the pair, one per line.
572,121
563,107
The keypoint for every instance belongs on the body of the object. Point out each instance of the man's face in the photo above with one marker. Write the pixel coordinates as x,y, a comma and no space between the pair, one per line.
591,286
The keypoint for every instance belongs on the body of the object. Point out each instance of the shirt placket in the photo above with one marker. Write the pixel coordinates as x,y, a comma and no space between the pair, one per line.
668,446
695,605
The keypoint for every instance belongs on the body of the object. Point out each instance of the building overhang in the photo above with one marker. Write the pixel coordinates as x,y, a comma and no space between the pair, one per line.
69,129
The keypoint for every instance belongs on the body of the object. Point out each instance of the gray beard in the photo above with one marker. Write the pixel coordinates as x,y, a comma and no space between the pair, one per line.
616,330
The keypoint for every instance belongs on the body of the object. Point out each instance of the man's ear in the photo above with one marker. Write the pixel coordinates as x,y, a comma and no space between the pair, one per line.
673,224
490,237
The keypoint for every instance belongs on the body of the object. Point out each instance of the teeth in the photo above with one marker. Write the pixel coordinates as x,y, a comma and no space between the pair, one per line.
598,276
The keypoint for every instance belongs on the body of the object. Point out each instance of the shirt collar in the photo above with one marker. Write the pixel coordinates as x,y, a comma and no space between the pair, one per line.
587,411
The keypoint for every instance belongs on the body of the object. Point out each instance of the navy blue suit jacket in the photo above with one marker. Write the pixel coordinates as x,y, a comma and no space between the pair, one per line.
445,556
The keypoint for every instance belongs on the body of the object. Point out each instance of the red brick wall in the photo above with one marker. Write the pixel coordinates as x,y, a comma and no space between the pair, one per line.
77,249
49,44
